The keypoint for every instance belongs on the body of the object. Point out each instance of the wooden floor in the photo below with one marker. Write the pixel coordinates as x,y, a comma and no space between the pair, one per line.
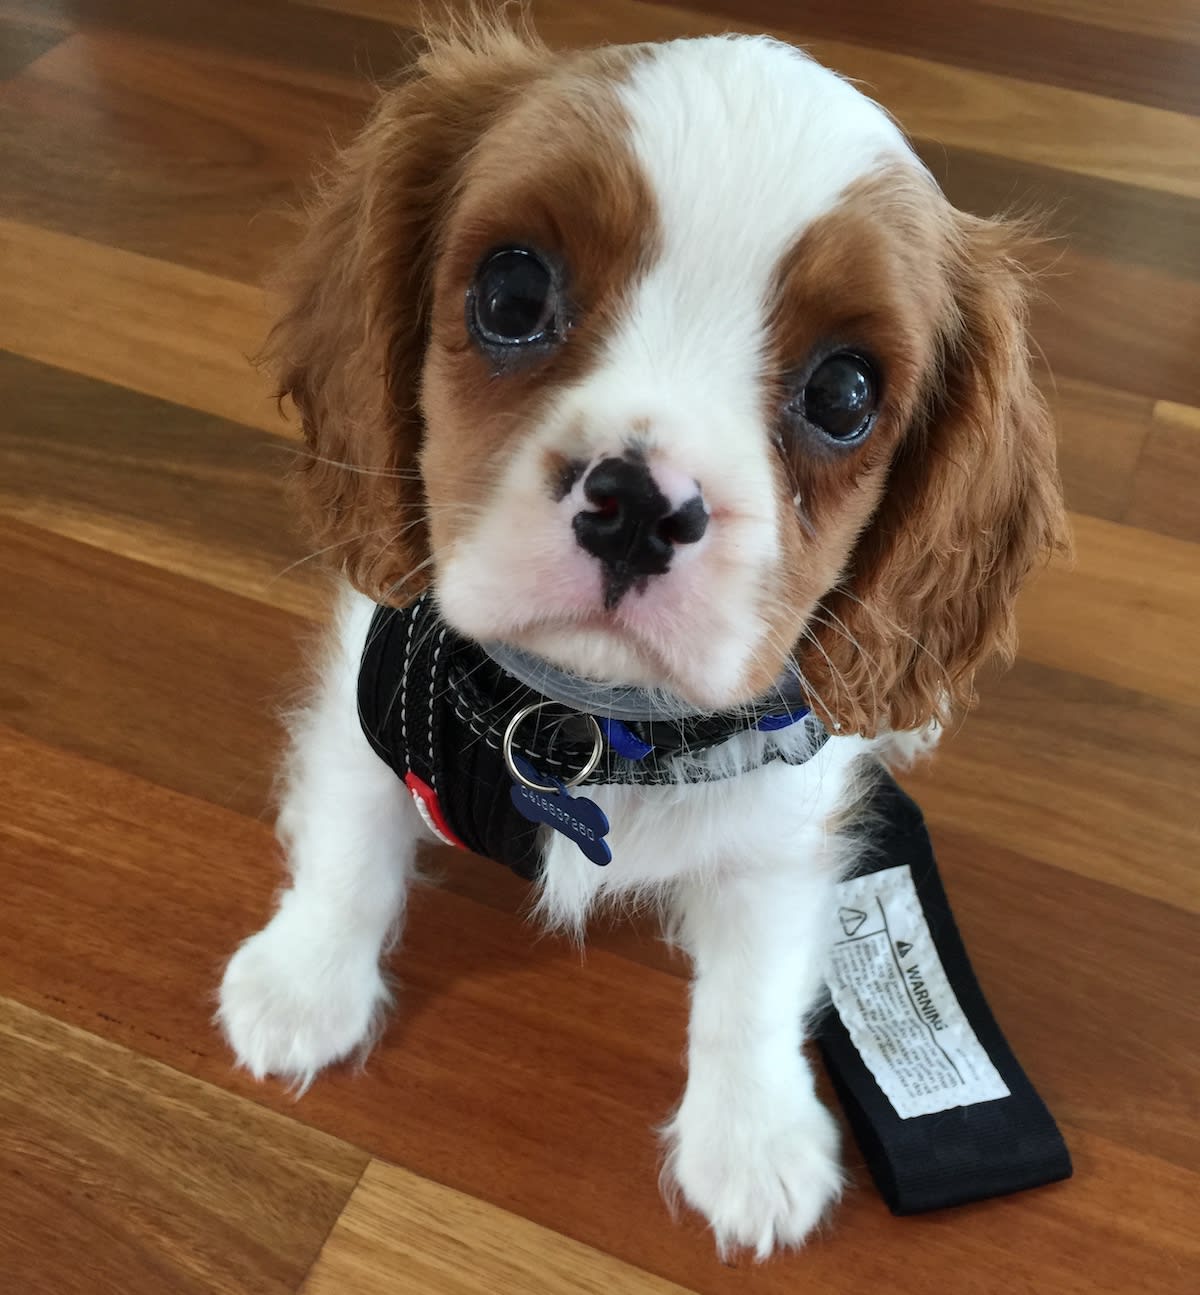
153,619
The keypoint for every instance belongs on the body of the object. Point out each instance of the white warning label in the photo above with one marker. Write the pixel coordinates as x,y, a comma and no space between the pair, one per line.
889,988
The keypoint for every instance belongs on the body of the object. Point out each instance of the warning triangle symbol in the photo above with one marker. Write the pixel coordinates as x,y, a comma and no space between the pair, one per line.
903,948
851,919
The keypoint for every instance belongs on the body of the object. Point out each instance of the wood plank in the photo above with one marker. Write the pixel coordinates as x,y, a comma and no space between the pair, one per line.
158,328
122,1175
183,491
252,67
1101,433
403,1235
1082,775
1163,493
193,494
1127,612
1046,48
276,35
1031,123
1176,20
21,43
1125,326
1103,218
549,1114
186,156
174,680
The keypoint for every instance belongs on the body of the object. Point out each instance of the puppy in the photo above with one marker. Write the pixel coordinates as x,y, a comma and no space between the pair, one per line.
659,383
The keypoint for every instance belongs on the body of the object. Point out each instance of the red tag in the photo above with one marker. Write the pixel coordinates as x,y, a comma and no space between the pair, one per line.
431,811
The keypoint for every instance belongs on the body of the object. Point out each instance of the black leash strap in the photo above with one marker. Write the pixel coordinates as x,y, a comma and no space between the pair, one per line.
938,1103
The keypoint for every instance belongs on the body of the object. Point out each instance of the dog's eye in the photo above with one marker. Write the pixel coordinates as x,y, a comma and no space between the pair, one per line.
840,397
514,300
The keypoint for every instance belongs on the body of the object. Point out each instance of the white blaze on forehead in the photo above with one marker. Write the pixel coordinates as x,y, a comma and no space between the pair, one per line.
745,142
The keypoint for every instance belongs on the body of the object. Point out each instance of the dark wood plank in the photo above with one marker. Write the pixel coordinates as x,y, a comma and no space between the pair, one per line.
449,1093
119,1174
182,490
1033,46
1163,494
184,156
1176,20
1124,326
172,679
1103,218
287,38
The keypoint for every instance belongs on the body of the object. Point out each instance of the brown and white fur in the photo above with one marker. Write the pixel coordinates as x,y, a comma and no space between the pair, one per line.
722,210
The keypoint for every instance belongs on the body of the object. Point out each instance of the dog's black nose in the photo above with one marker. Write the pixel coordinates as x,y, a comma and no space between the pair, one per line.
632,527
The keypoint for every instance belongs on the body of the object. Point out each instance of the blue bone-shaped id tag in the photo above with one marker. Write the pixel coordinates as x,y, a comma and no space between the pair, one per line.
577,818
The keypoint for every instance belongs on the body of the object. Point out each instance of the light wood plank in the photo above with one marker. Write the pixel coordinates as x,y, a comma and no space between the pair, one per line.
403,1235
122,1175
1126,612
1082,775
171,332
1100,437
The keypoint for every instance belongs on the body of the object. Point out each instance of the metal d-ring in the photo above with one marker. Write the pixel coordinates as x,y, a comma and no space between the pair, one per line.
511,765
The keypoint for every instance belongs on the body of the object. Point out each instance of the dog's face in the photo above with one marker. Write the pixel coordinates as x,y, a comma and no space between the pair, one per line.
671,365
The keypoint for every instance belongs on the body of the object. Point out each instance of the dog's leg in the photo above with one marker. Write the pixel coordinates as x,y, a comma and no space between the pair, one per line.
750,1146
307,989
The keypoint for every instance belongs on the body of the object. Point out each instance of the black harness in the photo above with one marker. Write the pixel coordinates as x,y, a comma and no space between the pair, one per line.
438,710
435,708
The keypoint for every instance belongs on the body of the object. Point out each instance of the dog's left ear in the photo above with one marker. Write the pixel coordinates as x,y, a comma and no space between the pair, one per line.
972,504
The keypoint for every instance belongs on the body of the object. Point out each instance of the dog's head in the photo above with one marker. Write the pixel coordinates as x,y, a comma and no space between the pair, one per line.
671,365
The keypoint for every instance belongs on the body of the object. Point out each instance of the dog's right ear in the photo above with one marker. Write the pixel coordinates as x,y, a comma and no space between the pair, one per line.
349,342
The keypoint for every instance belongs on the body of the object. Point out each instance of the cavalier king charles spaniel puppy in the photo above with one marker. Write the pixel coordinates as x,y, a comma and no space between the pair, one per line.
666,381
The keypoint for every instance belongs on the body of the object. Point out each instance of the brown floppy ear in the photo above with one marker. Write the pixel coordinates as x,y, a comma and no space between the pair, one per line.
972,505
349,342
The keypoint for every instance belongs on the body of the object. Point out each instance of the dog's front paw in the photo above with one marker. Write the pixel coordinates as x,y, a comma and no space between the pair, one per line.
292,1003
763,1180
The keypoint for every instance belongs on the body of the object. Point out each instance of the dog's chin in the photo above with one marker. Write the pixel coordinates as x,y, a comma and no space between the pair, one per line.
612,657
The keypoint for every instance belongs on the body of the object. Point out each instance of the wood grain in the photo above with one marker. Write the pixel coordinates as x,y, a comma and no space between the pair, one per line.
168,486
1163,496
403,1235
1043,47
512,1063
1176,20
174,679
154,626
1049,755
209,185
180,334
1030,122
111,1184
1121,223
21,43
1120,325
1127,612
1101,433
